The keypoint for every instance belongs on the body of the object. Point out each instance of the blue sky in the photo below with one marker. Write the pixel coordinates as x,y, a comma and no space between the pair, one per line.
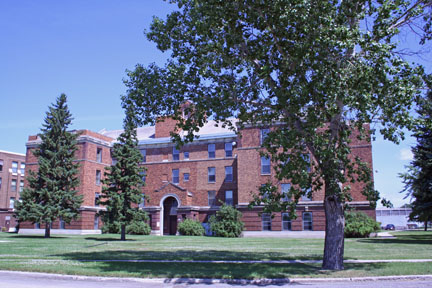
83,48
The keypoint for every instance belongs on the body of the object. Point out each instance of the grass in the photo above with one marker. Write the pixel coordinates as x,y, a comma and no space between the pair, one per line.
63,254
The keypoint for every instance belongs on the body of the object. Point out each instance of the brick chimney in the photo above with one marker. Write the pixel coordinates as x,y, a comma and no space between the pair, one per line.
164,125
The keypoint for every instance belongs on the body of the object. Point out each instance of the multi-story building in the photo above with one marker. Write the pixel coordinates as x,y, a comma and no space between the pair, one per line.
12,173
193,181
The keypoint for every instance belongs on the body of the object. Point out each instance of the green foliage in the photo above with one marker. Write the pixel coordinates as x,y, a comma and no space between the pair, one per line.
322,70
190,227
51,193
359,225
138,225
121,192
227,222
418,179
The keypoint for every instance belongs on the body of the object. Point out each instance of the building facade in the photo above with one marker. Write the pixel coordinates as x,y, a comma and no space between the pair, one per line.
12,173
192,181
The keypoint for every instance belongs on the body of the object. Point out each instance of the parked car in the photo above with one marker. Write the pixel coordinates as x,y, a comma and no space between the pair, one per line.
389,227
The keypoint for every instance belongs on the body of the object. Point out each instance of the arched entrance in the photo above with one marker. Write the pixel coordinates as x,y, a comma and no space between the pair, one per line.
170,205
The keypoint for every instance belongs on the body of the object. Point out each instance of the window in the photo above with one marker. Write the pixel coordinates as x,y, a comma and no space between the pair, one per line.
61,223
142,202
14,167
211,150
266,221
1,165
37,225
96,222
228,174
263,134
229,197
307,221
98,177
211,198
96,202
265,165
306,157
0,181
285,188
99,155
211,174
12,202
143,155
22,168
186,155
185,177
306,197
286,222
13,185
175,176
176,154
143,176
228,149
21,189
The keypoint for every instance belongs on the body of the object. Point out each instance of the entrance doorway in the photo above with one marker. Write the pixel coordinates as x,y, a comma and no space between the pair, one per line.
170,216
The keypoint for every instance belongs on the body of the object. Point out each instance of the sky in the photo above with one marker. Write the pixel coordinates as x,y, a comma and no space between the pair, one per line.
83,48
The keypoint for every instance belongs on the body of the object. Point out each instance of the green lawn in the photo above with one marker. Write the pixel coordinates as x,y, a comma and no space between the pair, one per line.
63,254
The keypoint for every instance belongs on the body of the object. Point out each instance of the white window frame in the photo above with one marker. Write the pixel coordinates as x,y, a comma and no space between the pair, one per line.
14,167
266,222
229,197
186,155
22,169
264,161
285,188
211,149
99,155
175,154
211,173
12,202
186,179
229,176
175,178
98,177
307,222
228,149
211,198
21,187
143,155
287,222
263,134
14,187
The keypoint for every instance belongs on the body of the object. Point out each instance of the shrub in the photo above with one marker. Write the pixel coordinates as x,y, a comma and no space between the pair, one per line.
138,226
359,225
191,227
226,222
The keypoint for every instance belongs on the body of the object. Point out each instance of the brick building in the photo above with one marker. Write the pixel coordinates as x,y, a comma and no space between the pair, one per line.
191,181
12,173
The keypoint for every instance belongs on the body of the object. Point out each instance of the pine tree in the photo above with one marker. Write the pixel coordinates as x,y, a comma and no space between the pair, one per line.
418,179
51,193
121,193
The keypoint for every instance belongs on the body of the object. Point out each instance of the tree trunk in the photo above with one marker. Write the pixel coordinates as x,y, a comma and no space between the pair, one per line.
334,235
425,224
123,232
47,230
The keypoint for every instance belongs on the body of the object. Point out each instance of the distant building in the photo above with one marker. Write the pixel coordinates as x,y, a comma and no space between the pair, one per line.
191,182
12,173
396,216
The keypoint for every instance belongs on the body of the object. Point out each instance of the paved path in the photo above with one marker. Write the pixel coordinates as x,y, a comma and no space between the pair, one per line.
45,280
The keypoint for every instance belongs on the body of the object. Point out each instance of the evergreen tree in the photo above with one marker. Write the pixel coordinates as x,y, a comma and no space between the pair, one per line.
121,193
51,193
418,179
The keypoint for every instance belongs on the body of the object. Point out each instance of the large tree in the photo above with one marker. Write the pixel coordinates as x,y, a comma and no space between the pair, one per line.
122,193
50,193
318,69
418,178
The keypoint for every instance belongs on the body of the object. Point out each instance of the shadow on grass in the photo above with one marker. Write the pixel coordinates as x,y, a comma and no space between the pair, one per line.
17,236
401,239
181,255
109,239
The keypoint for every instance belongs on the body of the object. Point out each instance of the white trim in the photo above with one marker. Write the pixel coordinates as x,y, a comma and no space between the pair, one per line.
59,231
161,213
13,153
